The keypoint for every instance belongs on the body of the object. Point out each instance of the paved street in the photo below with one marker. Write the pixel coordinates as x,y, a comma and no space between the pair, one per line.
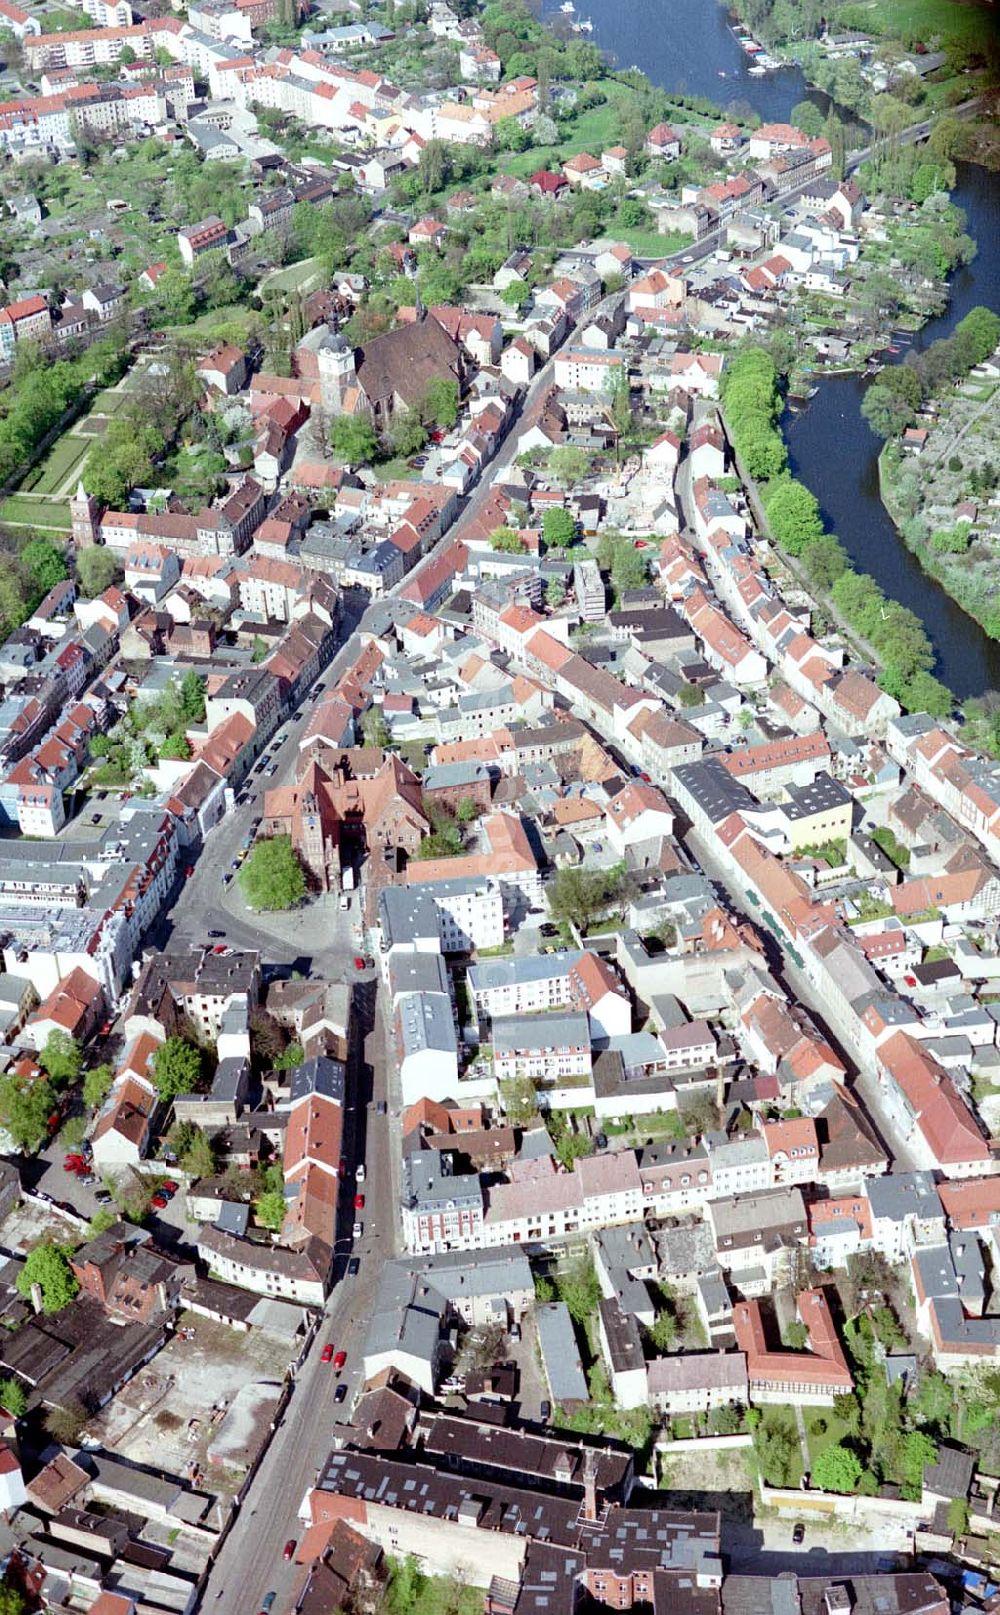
250,1563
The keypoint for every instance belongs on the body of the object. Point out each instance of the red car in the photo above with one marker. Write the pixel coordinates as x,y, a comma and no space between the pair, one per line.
340,1359
189,871
359,963
359,1202
168,1183
159,1202
327,1356
289,1548
74,1163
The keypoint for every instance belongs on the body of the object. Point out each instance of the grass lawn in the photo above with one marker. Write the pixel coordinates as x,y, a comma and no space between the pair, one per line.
395,470
108,402
835,1430
649,243
294,276
66,454
924,18
45,513
592,131
232,323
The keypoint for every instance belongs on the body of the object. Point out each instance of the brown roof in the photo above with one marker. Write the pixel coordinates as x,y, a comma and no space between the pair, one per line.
404,361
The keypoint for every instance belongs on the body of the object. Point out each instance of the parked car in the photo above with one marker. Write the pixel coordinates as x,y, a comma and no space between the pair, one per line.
289,1548
359,1202
353,1267
545,1410
358,1230
798,1533
216,933
102,1196
267,1603
359,1172
340,1394
359,963
340,1359
74,1163
169,1186
327,1355
159,1202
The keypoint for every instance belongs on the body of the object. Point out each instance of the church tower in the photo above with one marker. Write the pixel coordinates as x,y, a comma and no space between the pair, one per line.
85,512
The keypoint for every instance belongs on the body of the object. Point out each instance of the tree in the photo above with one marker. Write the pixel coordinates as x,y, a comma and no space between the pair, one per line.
793,514
836,1469
12,1600
568,465
25,1108
272,877
48,1267
13,1398
97,1086
887,413
507,541
176,748
579,896
45,562
176,1067
96,570
515,294
558,528
61,1058
407,433
805,115
917,1450
467,810
664,1330
795,1335
519,1101
374,728
290,1058
193,696
354,439
440,402
270,1210
66,1424
198,1157
579,1288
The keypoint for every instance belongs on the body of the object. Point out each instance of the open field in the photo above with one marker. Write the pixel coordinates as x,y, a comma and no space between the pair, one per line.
65,457
22,511
925,19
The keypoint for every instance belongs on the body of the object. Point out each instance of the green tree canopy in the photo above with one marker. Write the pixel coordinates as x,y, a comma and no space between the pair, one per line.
507,540
272,877
270,1210
176,1067
13,1398
407,433
836,1469
97,1085
48,1267
793,514
45,562
354,439
61,1058
558,527
580,896
440,402
96,570
25,1108
193,696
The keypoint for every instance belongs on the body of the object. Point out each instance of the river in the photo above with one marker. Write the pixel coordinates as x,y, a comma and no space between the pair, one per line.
684,46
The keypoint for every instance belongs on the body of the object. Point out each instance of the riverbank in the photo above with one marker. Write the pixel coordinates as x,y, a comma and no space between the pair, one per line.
943,502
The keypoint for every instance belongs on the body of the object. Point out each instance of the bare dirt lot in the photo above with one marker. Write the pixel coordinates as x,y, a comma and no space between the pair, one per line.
168,1415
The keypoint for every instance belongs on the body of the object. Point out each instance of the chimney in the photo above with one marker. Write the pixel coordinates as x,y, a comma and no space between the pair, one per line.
837,1599
36,1298
590,1484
